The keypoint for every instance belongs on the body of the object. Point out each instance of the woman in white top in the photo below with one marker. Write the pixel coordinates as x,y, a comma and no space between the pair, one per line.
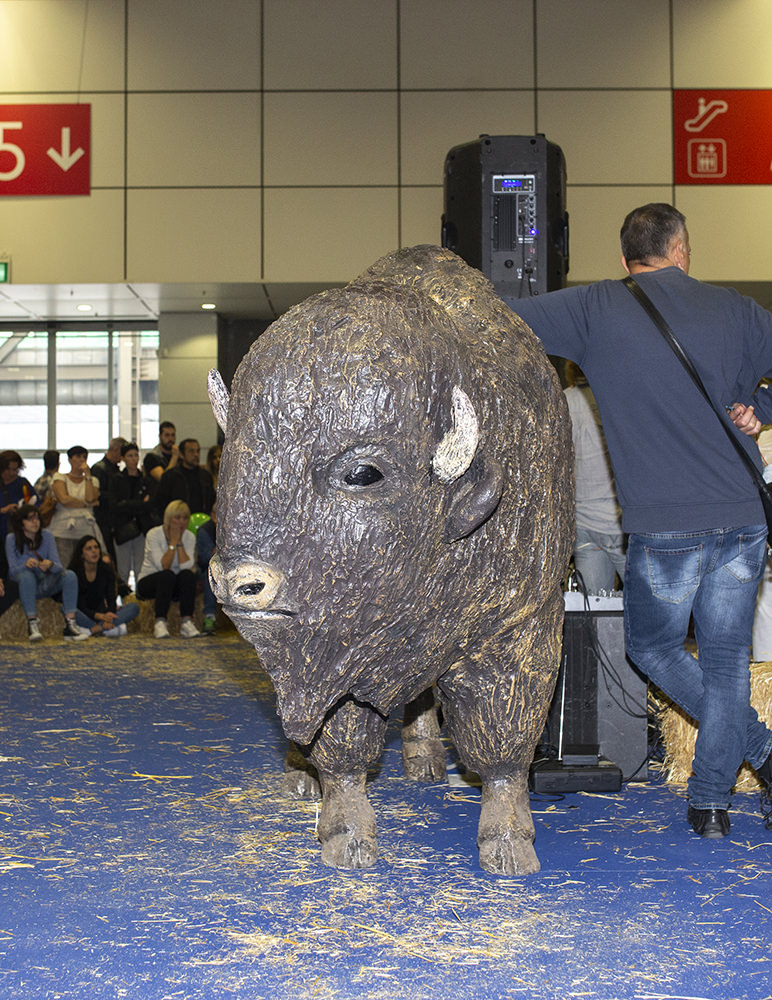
167,572
77,495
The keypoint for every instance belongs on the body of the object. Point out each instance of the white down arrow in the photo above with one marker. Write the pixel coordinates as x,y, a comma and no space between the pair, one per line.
65,159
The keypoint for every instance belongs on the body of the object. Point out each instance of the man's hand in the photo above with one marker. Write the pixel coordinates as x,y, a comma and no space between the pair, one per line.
745,419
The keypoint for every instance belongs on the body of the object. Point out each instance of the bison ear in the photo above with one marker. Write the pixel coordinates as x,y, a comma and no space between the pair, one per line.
477,497
219,397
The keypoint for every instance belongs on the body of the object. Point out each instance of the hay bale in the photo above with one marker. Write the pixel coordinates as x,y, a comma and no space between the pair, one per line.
13,623
679,732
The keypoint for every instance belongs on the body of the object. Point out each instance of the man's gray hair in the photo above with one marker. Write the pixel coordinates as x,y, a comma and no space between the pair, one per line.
648,231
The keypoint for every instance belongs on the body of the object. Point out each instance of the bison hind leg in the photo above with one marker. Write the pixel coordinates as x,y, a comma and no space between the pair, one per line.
347,827
301,779
506,833
423,752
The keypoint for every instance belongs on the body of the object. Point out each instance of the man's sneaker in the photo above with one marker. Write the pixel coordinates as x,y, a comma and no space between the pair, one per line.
209,626
112,633
161,629
73,632
188,629
33,630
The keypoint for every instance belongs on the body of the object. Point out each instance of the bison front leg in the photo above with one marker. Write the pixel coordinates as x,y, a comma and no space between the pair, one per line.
350,740
423,752
495,704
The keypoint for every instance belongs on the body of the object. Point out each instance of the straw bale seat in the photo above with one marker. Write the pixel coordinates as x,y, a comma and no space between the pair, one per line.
679,732
13,623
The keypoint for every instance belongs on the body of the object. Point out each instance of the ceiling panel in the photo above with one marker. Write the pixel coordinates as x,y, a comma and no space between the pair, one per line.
146,301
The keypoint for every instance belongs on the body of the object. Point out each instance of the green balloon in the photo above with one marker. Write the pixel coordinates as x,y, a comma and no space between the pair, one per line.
196,520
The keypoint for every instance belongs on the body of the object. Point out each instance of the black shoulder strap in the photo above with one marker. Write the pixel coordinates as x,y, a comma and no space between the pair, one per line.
661,324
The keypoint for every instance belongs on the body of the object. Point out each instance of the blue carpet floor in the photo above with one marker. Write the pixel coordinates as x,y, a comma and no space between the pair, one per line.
145,853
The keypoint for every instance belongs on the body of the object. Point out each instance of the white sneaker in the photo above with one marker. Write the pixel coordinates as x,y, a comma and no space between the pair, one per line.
161,629
112,633
188,629
33,630
123,629
73,632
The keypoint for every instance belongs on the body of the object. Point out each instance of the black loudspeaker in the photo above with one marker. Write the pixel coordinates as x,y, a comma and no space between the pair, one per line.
598,719
505,211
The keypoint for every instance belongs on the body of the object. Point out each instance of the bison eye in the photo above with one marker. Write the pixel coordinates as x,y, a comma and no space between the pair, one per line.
362,475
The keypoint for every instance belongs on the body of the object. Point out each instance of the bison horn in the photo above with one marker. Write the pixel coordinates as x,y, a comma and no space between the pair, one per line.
456,450
219,397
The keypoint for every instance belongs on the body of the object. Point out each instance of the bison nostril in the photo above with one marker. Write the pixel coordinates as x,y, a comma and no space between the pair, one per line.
250,589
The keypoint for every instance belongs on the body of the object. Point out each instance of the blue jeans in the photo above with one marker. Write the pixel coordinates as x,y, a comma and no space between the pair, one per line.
35,584
126,613
712,576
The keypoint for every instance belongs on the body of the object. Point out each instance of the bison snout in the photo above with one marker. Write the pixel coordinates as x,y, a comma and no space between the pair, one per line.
252,585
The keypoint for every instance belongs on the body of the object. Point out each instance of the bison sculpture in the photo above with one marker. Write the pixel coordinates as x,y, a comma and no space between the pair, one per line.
395,513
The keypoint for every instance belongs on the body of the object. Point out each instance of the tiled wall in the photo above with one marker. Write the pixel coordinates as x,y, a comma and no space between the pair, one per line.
297,140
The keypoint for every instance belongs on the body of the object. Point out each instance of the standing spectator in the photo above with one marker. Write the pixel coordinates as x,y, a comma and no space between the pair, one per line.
77,494
188,481
97,610
133,513
167,571
45,482
599,548
14,489
33,563
213,457
104,471
165,455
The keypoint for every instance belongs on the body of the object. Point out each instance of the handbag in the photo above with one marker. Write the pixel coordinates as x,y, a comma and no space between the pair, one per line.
47,508
126,532
765,494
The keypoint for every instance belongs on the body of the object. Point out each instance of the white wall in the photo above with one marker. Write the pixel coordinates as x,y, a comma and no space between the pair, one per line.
298,140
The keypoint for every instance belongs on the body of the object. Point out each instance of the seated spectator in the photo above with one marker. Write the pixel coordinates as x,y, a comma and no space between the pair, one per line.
97,610
14,489
33,563
167,572
188,481
206,540
133,513
78,495
45,482
9,591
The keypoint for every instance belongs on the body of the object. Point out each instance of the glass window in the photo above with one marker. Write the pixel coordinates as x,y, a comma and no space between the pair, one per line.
103,384
24,390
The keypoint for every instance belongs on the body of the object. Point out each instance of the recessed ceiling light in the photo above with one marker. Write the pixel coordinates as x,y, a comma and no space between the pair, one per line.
208,305
84,307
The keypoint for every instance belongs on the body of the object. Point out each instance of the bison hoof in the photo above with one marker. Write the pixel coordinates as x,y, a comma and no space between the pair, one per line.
513,855
424,760
348,832
300,784
349,851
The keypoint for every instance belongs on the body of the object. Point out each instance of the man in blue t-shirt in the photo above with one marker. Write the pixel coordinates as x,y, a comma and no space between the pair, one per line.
696,527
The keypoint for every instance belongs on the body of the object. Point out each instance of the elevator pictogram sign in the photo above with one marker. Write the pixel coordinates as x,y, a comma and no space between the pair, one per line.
45,149
722,136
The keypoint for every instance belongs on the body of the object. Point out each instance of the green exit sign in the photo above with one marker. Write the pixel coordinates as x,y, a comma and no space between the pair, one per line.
5,270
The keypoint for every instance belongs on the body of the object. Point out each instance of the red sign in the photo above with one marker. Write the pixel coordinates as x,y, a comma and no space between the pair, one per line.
45,149
722,136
